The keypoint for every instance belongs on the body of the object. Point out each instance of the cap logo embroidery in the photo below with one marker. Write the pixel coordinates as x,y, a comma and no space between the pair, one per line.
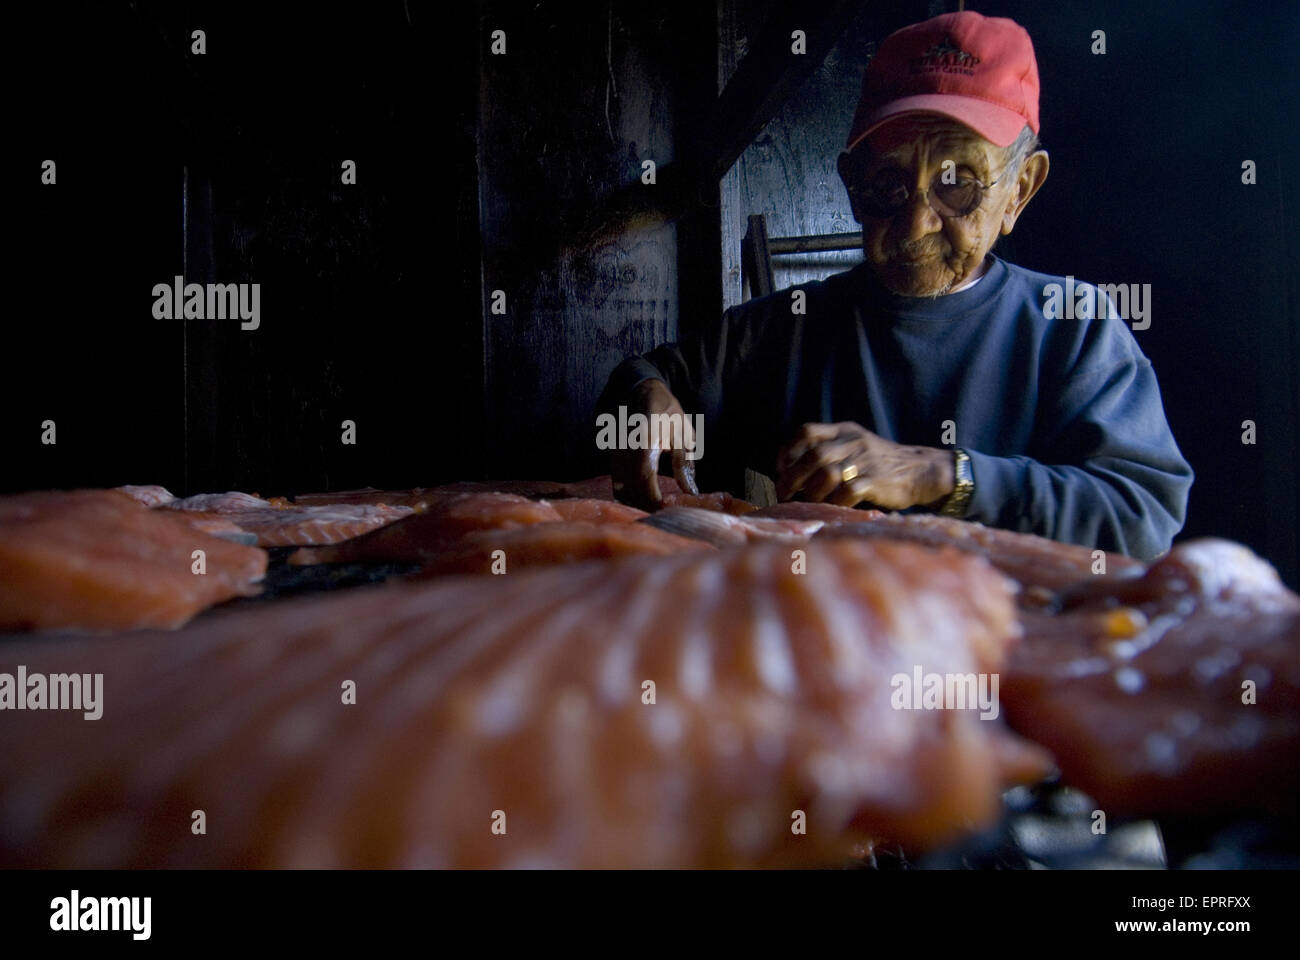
945,57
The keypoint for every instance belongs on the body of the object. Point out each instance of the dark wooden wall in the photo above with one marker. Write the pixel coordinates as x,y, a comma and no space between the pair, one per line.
226,167
584,252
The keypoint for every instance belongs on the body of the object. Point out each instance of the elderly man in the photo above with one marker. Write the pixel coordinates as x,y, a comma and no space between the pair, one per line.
932,376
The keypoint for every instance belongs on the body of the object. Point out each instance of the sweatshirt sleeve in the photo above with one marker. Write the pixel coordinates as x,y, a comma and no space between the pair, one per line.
1108,472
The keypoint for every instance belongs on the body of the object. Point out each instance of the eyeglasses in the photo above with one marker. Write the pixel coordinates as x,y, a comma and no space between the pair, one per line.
890,191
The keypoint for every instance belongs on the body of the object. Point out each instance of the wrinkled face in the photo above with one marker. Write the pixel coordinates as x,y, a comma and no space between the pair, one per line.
916,252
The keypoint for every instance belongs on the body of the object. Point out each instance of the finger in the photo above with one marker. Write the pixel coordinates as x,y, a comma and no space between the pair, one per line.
786,456
684,473
636,478
648,477
794,477
883,493
809,435
851,494
661,433
796,473
822,482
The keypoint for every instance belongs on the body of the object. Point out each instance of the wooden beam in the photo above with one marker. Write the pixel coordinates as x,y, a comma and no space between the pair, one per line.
817,243
770,75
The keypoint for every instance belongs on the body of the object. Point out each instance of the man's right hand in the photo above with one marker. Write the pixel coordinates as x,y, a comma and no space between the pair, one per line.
636,472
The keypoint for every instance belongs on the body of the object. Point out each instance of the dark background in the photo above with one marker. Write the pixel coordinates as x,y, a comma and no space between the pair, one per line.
520,173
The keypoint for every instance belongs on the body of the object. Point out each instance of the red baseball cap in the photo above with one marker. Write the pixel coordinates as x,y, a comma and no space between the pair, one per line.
977,70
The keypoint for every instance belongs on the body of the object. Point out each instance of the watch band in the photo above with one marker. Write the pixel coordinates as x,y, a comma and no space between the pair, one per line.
955,504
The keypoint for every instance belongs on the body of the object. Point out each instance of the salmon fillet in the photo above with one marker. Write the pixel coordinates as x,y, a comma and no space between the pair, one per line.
1042,567
215,525
595,489
602,488
545,544
423,497
1137,688
424,535
721,502
417,498
596,511
99,560
285,525
532,489
518,702
828,513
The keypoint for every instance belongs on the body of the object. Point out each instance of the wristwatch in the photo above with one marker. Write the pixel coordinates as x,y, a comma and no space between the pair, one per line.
955,504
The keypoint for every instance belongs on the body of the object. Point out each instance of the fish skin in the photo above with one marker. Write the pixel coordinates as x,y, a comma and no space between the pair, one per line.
1137,688
423,536
150,495
100,560
290,525
727,530
231,502
548,544
524,694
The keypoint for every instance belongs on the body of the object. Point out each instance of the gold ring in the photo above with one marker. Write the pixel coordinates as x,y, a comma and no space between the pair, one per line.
848,473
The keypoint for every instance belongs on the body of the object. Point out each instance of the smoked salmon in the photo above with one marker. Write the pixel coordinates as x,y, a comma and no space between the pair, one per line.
602,488
714,709
417,498
289,525
422,497
1041,566
596,511
424,535
596,488
532,489
216,526
1174,692
101,560
545,544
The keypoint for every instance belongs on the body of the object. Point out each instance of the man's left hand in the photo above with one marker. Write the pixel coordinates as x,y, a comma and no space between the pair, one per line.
882,473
